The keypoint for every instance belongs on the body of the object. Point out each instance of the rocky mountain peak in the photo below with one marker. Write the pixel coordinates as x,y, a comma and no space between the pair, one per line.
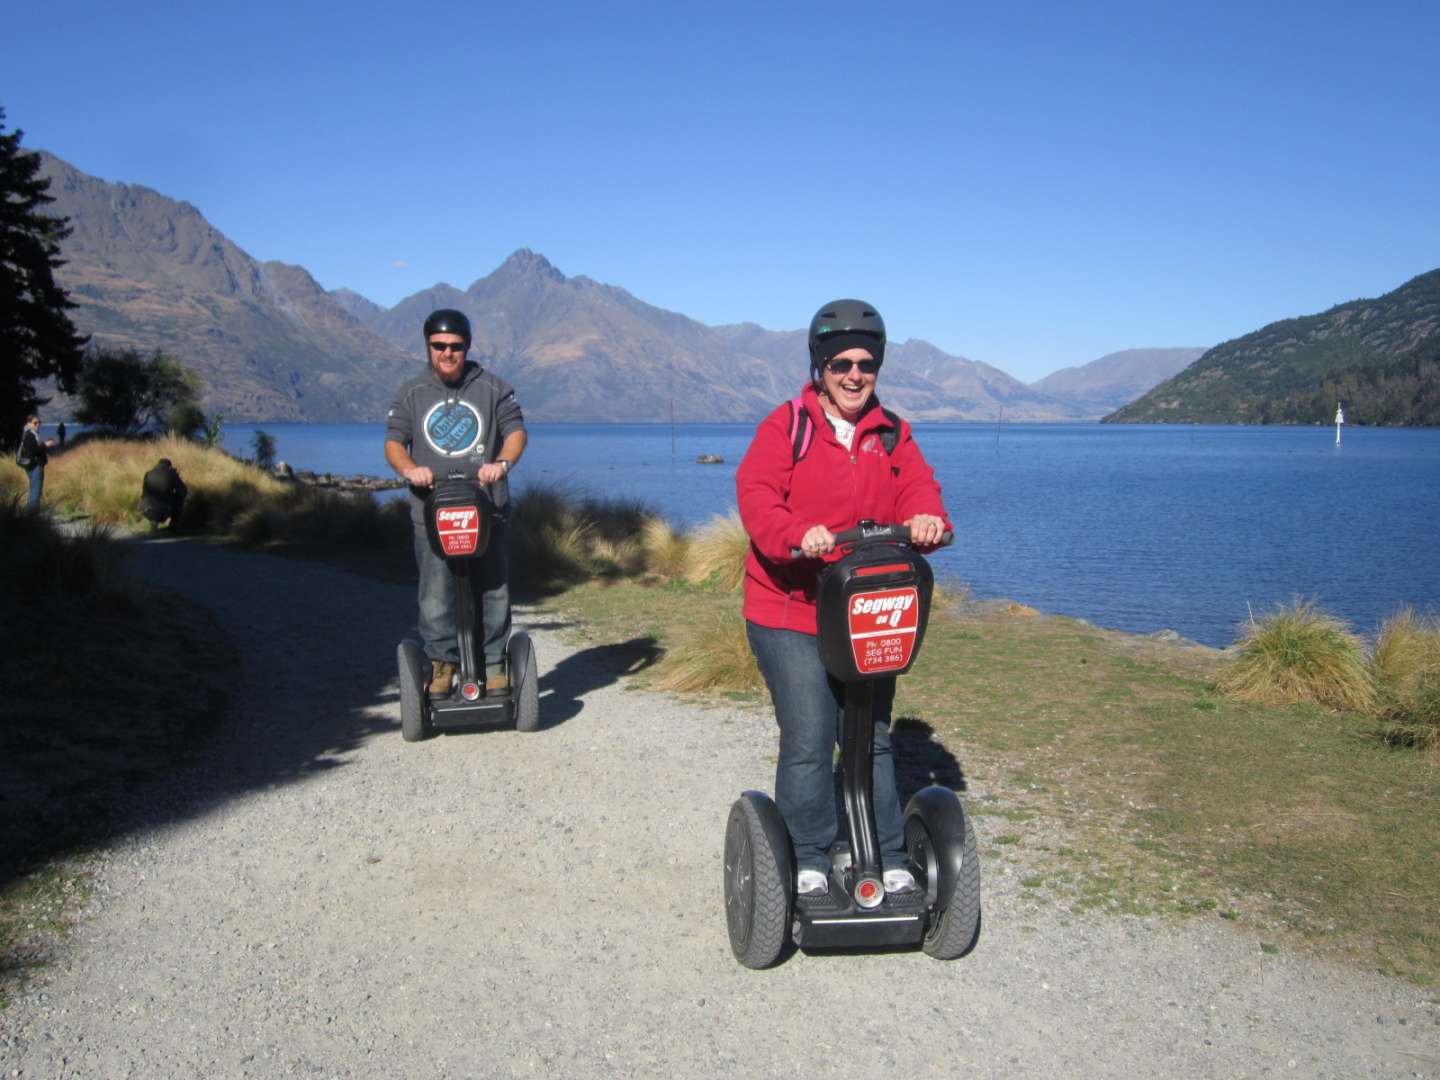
524,263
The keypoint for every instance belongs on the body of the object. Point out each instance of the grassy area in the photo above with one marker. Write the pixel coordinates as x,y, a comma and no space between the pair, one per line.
1111,774
567,537
69,755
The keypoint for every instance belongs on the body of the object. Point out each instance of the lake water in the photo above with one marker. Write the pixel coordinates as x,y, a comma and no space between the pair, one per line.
1138,528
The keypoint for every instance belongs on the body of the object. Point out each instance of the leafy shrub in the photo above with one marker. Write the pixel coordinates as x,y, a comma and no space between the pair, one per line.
1299,655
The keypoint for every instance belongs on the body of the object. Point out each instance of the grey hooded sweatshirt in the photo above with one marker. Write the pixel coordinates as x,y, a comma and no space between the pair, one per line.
454,428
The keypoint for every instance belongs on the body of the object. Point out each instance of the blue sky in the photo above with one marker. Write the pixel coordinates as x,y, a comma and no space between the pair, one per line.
1032,185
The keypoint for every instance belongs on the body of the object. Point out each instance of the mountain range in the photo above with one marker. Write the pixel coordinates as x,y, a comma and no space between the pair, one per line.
1380,358
150,272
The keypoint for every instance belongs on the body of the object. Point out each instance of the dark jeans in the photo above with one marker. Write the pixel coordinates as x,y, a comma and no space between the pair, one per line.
37,486
490,585
809,705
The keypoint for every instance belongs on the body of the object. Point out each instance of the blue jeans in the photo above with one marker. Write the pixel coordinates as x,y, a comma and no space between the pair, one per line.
37,486
490,585
809,705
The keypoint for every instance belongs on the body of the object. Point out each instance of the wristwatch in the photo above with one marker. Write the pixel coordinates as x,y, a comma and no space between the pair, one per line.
505,462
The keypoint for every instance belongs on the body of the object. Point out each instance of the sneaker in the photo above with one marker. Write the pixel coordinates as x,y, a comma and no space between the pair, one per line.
899,881
811,883
497,684
442,677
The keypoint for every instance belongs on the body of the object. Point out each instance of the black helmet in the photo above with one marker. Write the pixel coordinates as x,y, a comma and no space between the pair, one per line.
845,324
448,321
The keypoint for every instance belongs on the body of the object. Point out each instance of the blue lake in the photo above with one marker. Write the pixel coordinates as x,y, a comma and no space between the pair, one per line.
1138,528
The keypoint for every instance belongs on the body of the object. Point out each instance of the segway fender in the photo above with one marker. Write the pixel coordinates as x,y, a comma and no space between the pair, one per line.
775,831
939,808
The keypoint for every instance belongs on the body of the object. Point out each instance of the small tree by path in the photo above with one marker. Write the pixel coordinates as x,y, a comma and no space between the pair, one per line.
125,392
263,444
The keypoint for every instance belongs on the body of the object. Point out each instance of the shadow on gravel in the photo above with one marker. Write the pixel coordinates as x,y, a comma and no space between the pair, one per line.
300,671
562,686
921,759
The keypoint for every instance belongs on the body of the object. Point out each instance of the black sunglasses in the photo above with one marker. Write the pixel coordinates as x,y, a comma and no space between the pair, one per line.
842,367
449,346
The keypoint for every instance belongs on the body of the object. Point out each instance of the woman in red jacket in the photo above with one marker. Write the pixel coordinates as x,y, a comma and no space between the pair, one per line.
798,485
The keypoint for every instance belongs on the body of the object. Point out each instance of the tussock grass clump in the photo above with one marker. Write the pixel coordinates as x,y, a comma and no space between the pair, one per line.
713,654
559,539
719,548
1406,669
667,553
1299,655
38,563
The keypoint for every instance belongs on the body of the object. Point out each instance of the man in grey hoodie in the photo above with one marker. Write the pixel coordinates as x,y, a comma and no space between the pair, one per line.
457,417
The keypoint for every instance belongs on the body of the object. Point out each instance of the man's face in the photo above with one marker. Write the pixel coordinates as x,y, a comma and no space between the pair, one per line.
447,356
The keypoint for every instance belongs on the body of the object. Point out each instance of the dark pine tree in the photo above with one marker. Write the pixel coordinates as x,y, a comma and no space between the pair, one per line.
37,339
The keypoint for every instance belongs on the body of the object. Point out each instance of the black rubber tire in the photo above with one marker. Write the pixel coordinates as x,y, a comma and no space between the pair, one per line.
757,902
524,671
931,840
414,707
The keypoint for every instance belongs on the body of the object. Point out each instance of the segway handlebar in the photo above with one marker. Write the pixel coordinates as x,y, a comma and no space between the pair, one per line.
870,533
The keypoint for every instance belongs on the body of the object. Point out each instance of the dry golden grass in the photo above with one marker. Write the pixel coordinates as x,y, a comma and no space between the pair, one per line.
712,654
719,547
101,478
667,553
1300,655
1406,669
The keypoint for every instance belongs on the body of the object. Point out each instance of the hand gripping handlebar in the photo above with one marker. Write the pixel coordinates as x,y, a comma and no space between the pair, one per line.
867,532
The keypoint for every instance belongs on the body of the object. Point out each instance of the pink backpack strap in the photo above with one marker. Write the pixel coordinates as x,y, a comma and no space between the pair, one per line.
802,431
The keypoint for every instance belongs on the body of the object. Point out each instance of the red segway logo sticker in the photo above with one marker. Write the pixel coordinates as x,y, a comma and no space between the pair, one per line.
459,529
882,629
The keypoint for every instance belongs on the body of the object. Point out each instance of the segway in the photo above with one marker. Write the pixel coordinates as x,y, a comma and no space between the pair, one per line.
457,524
872,607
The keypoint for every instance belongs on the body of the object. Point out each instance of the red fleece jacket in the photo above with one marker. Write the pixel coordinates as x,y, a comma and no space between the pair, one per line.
780,501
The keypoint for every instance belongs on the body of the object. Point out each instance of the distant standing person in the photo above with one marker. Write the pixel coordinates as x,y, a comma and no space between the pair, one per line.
32,456
60,433
456,416
162,495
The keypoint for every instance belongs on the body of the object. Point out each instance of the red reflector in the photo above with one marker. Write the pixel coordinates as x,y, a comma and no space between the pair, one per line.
867,890
888,568
470,691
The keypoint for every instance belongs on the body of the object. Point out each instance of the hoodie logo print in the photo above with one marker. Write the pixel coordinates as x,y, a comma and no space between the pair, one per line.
452,428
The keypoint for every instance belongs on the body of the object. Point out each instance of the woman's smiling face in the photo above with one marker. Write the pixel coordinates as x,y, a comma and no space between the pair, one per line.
849,390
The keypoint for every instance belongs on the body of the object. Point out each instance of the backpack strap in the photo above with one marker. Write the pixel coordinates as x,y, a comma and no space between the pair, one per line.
802,430
890,437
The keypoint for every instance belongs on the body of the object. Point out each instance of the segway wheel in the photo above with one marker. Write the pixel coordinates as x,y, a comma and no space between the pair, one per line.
941,842
523,670
757,878
413,706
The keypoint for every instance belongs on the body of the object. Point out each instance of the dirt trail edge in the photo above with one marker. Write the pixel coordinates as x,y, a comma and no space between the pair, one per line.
317,897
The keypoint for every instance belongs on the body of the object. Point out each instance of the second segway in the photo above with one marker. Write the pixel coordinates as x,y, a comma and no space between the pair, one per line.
458,526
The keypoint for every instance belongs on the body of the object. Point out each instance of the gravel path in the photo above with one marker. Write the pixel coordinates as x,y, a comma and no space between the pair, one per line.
318,897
